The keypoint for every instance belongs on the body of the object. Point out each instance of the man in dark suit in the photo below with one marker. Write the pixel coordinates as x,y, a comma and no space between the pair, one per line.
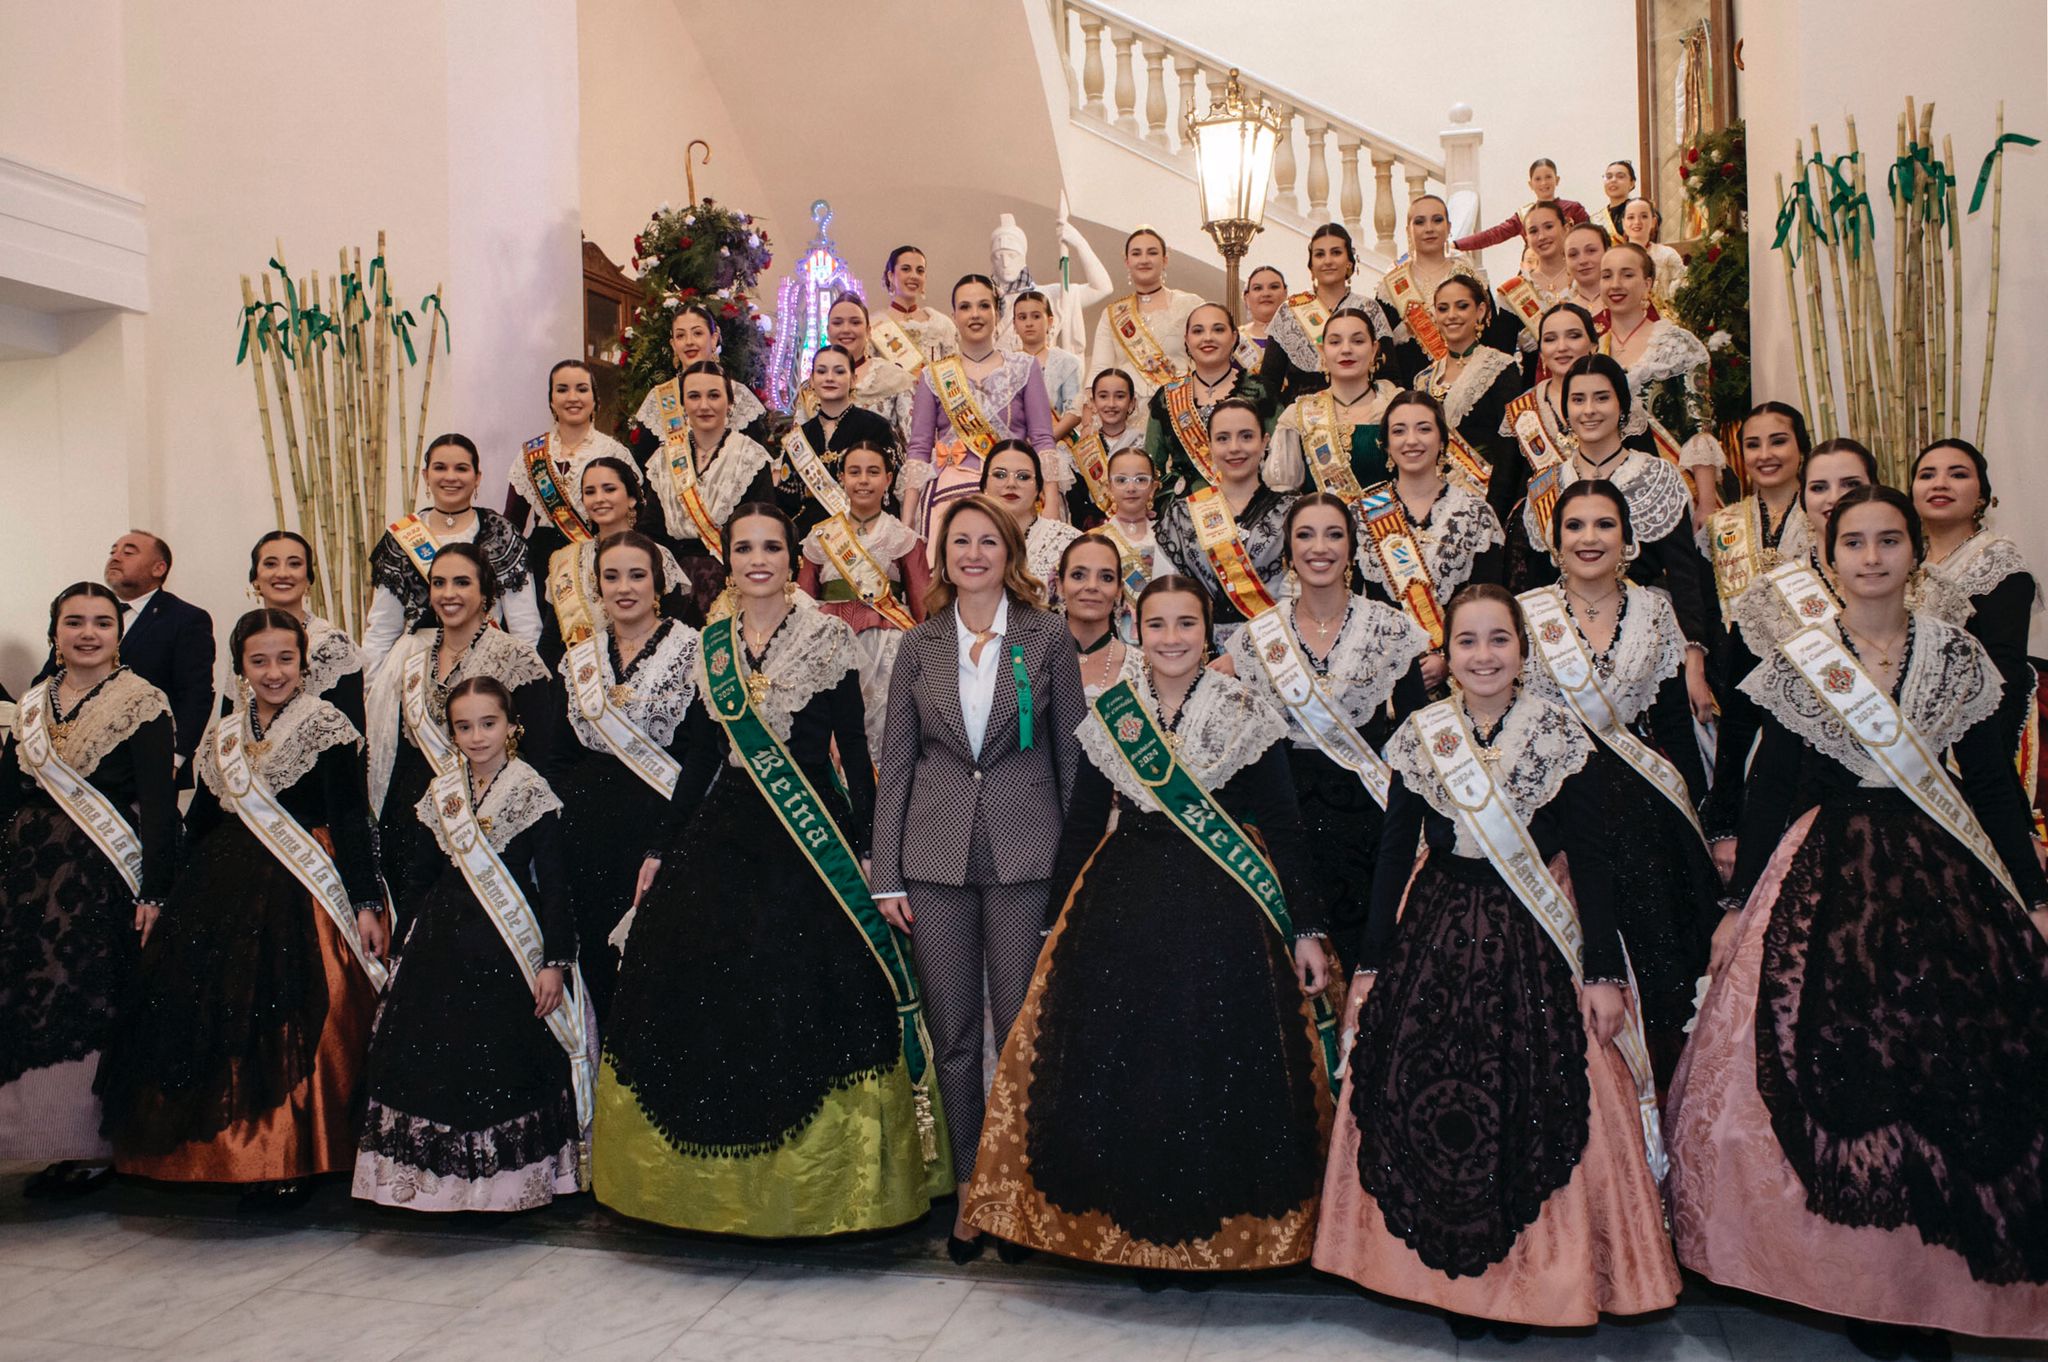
164,640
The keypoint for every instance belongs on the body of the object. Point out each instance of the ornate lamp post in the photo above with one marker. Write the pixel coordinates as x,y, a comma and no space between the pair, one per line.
1234,144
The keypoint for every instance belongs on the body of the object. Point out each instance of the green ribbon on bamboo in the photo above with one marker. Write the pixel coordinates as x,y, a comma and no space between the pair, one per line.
1788,218
401,326
291,295
2011,139
810,825
432,302
319,326
1207,824
377,269
1907,170
257,321
1847,209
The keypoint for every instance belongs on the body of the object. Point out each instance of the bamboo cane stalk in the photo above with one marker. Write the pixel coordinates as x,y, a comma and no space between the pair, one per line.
1991,315
1848,337
318,509
419,456
291,430
1878,364
1823,371
1792,307
1937,324
1900,434
1955,246
1917,285
263,403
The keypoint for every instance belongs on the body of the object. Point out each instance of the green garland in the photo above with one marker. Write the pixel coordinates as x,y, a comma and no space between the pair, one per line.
1713,302
703,253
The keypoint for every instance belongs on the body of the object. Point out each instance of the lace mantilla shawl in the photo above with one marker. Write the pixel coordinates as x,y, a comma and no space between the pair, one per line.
1648,651
330,655
125,703
1951,684
1540,745
597,445
1982,562
494,653
290,747
1224,728
738,462
657,691
887,540
1656,493
1764,618
808,657
517,799
1169,327
745,410
391,567
1460,527
1285,331
1481,371
1373,651
1044,542
1677,355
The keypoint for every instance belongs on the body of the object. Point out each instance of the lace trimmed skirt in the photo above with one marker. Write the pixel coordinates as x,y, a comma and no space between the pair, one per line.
1858,1123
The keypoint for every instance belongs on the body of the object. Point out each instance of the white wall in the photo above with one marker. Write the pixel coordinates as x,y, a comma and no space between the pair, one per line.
1820,60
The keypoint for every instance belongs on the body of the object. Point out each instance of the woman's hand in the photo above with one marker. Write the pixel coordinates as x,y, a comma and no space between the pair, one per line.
1696,688
1723,853
547,991
1603,1009
146,915
648,869
1723,948
896,910
1311,966
376,936
1434,669
1347,1034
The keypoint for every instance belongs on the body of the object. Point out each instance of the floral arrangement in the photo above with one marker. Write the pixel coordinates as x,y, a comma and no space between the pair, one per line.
705,253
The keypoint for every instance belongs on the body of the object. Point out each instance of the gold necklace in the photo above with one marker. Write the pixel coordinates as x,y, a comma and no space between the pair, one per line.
1883,651
1592,608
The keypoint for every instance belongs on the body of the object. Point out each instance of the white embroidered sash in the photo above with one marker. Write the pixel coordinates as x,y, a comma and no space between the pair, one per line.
643,756
1310,705
431,738
92,811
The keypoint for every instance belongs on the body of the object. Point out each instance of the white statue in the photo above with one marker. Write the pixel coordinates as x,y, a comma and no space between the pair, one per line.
1007,253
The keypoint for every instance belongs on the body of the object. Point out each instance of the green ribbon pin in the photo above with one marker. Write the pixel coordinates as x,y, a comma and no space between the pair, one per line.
1022,674
2011,139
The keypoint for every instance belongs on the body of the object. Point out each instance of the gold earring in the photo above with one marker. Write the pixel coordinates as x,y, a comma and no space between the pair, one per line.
789,593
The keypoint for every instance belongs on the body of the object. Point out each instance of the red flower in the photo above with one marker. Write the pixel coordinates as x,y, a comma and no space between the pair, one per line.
638,245
1685,172
1736,361
1692,155
687,293
1713,254
729,311
1727,169
685,243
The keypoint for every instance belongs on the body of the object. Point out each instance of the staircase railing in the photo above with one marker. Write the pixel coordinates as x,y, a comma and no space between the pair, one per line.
1180,76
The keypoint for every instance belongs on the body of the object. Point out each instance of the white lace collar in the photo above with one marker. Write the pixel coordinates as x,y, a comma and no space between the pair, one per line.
516,800
1044,542
1672,352
1764,618
494,653
886,539
289,748
1459,528
808,656
596,445
1540,745
656,694
738,462
1981,562
123,703
1224,727
330,655
1649,649
881,379
1285,331
1373,651
1951,684
1655,491
1484,366
672,579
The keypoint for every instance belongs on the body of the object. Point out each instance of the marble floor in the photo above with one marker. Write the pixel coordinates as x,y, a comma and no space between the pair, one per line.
138,1274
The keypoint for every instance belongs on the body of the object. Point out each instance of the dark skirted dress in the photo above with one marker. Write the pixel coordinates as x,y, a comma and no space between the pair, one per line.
1859,1122
67,918
2004,597
610,816
1475,404
334,669
1666,890
240,1057
1487,1161
1261,527
1171,463
753,1081
400,772
1161,1101
1373,674
470,1100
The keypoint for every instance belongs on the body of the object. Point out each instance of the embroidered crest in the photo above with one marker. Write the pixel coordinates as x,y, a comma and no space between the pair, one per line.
1276,651
1813,607
585,672
230,742
721,663
1129,728
412,683
1445,744
1552,631
452,805
1838,679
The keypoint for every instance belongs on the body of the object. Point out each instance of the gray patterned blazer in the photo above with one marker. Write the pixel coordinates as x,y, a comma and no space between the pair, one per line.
931,786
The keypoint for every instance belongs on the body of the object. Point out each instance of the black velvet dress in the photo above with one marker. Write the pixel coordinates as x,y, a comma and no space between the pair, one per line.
855,425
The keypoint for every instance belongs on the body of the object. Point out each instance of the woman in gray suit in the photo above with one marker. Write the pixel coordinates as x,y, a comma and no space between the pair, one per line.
977,766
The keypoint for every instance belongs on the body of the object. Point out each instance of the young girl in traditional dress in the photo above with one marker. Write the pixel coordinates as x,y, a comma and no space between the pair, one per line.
281,572
1014,480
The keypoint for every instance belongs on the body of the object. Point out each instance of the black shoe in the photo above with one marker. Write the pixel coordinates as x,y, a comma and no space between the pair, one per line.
1465,1328
1012,1253
67,1179
1885,1342
287,1195
1929,1345
963,1251
1509,1332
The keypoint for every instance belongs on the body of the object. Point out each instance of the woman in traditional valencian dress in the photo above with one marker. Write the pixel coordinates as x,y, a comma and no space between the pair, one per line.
1228,537
1543,184
408,701
483,1064
882,607
1176,934
1176,431
1031,319
240,1057
1265,292
403,557
1857,1125
1422,535
1640,224
1011,478
544,498
765,1070
90,823
1143,332
966,404
1091,586
1475,381
703,470
1597,403
930,333
1585,247
1545,270
1344,670
1667,367
612,497
1131,529
281,570
1293,365
693,338
1494,1144
1541,435
1340,417
1748,538
1413,282
880,384
1612,653
619,744
831,422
